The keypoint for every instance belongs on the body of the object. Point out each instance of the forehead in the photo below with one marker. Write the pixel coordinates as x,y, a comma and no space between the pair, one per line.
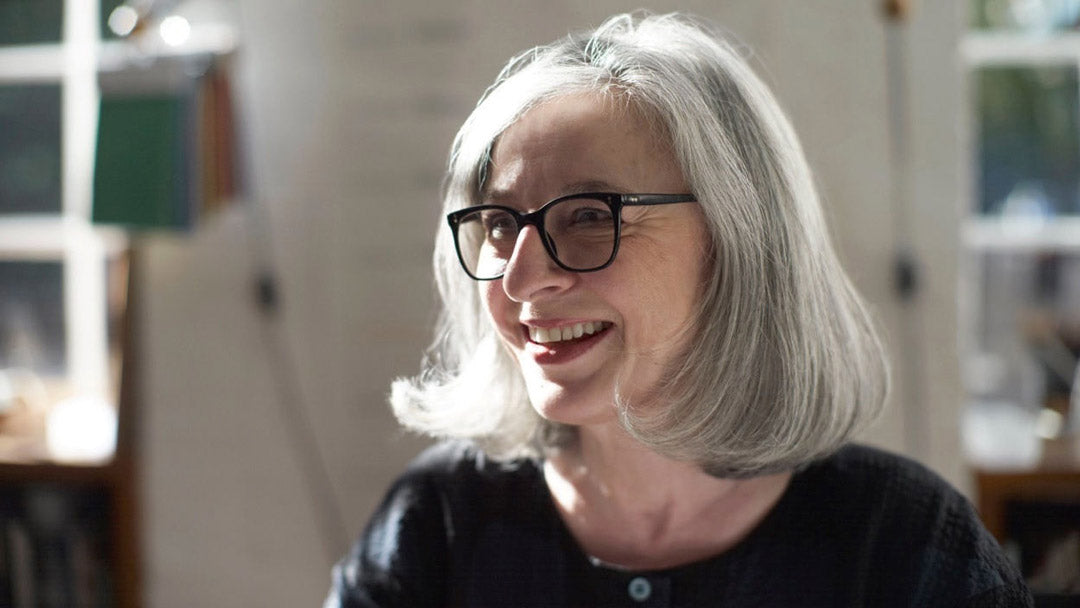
586,138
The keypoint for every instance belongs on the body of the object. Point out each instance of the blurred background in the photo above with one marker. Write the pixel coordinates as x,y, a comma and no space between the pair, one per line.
216,221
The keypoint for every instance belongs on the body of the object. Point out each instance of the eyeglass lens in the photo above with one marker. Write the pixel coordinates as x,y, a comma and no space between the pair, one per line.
580,232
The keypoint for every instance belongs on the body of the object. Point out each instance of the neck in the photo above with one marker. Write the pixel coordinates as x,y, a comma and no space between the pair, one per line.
628,505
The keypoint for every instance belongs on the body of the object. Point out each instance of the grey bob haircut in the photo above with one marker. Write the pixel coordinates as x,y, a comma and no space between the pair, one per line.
783,365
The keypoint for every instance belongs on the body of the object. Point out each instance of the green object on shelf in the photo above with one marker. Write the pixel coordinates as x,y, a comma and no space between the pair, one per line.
141,170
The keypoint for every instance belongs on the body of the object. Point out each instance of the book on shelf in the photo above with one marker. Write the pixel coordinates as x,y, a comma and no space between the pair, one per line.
166,153
54,549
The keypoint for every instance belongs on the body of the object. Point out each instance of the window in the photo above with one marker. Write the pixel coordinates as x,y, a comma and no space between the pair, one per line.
55,266
1020,271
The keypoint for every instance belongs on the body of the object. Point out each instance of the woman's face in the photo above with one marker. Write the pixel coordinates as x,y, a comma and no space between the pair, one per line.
640,307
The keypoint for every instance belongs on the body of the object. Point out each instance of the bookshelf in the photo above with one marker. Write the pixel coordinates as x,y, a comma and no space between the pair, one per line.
1020,283
70,518
70,532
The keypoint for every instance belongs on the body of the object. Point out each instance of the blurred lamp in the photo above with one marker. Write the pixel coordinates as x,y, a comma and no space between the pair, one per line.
122,20
81,429
175,30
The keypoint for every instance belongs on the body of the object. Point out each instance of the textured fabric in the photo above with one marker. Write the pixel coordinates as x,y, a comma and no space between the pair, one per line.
860,528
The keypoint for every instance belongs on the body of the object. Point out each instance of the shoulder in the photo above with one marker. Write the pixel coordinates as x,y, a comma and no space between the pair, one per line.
864,460
456,457
910,528
866,469
894,497
405,554
458,468
450,480
862,477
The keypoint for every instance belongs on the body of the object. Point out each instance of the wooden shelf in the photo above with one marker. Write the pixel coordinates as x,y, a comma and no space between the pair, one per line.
205,39
57,473
114,484
995,489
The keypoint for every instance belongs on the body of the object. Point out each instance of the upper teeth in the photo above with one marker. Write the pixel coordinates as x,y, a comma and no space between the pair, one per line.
555,334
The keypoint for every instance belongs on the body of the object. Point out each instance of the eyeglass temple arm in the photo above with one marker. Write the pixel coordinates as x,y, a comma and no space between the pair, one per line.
656,199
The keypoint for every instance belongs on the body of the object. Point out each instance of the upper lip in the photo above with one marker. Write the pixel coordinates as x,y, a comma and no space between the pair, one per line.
538,331
549,323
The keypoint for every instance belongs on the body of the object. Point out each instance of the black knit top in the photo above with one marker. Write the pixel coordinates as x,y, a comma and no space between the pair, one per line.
860,528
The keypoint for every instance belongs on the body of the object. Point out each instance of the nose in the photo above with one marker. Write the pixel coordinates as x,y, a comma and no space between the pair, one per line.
530,272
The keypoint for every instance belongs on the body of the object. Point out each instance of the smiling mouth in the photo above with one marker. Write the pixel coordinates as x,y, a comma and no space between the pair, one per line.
541,335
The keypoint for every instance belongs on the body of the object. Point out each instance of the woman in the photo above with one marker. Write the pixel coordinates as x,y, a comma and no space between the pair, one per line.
649,362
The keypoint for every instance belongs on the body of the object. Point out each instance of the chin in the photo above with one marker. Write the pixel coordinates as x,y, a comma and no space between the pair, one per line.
564,406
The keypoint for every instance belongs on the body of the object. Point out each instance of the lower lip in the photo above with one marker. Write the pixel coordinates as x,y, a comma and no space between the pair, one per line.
554,353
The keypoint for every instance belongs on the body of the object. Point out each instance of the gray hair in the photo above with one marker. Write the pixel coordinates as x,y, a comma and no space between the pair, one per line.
784,363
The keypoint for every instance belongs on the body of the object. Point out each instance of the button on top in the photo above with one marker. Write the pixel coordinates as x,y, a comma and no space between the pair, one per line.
639,589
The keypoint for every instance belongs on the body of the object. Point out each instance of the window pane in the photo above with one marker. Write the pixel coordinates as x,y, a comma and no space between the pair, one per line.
1030,328
32,333
30,21
30,149
1027,15
1029,153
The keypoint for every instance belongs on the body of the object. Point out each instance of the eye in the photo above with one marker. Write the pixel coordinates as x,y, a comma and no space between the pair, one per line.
587,216
499,226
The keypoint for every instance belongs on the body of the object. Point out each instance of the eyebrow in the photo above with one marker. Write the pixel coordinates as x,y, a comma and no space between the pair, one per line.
503,196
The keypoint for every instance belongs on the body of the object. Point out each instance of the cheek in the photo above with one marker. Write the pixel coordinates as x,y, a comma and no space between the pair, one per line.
661,309
496,304
488,298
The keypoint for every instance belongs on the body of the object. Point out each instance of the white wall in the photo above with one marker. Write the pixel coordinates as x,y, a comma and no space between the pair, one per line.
349,108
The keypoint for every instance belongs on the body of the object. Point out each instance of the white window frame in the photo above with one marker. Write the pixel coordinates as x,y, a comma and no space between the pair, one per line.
69,237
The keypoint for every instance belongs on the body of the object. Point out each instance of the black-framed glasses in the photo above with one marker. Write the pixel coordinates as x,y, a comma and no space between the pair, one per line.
579,231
